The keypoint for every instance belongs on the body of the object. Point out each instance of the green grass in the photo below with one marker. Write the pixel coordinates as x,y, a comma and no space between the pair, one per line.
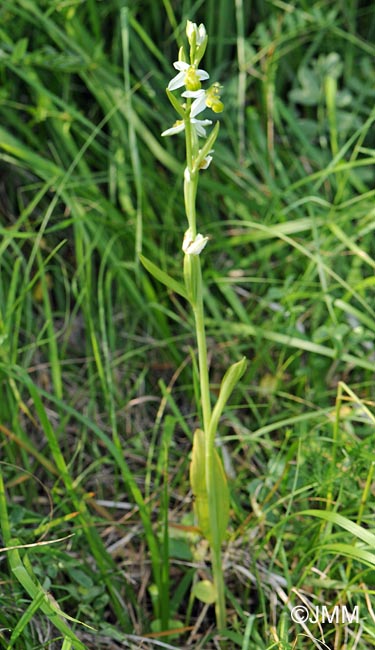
97,359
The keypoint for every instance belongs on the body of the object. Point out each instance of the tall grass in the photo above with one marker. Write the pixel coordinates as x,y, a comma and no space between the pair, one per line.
97,402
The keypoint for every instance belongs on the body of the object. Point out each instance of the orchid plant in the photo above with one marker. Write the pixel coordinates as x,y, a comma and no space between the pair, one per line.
207,475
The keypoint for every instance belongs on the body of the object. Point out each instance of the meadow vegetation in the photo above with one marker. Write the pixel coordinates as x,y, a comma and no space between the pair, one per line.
98,360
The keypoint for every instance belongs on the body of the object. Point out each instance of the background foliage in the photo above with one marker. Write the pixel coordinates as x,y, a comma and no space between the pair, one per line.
96,358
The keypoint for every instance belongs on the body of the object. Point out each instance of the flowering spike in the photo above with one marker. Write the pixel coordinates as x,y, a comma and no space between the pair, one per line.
190,76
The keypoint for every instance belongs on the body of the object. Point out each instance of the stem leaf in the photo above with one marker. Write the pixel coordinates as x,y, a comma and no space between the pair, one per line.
199,487
228,383
176,104
193,278
163,277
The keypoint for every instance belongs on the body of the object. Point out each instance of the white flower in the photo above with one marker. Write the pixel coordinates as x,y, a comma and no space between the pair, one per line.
206,162
198,125
188,76
194,246
176,128
200,32
203,98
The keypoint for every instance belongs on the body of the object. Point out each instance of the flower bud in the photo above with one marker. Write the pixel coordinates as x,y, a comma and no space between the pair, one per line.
194,246
195,35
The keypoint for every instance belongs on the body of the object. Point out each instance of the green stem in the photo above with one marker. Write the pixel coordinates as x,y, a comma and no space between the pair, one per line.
217,570
202,357
189,141
213,505
191,179
195,273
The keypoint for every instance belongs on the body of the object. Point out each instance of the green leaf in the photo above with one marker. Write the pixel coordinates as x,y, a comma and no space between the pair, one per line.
199,488
20,49
228,383
163,277
353,552
205,591
333,517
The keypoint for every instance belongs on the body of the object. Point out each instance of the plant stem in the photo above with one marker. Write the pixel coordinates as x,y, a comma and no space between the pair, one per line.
190,180
217,570
213,505
202,357
193,280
